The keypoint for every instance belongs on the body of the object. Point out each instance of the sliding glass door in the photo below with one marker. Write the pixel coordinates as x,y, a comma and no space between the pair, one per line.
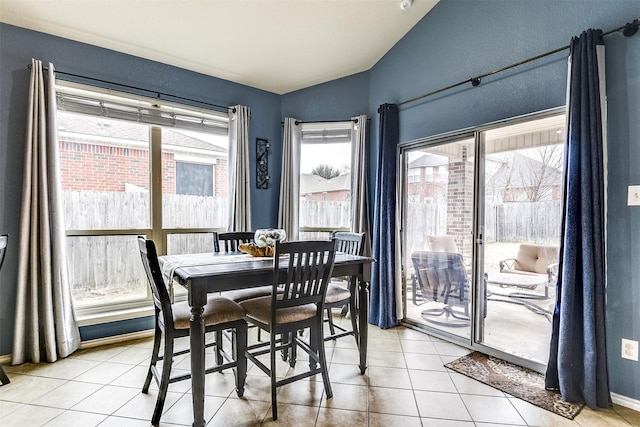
437,222
521,213
480,216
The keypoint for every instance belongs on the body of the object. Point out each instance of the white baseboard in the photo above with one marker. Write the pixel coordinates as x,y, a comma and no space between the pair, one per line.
625,401
6,358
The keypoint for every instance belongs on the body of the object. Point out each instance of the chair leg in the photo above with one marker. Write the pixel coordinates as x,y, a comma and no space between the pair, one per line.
315,333
240,356
164,381
272,359
157,337
332,329
317,338
219,344
345,310
284,353
293,350
354,319
3,376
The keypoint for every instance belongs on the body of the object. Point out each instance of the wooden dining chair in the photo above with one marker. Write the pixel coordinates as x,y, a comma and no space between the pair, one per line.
4,241
172,321
296,302
230,242
342,291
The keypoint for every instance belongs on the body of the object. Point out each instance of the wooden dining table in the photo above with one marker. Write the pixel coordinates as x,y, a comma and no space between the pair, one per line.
213,272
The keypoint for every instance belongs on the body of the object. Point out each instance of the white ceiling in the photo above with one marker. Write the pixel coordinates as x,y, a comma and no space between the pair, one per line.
276,45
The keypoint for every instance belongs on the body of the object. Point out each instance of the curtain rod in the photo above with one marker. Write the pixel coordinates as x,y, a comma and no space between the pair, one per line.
299,122
628,30
158,94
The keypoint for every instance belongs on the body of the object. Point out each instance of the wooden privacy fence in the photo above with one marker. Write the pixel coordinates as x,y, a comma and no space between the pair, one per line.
88,210
537,222
325,214
533,222
422,220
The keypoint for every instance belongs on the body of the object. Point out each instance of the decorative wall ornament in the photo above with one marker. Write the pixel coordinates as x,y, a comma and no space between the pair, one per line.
262,163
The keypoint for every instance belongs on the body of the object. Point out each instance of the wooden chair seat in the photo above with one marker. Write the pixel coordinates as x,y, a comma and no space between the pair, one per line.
218,310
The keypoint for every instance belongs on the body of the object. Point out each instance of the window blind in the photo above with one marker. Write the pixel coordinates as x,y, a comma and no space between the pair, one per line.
326,132
100,102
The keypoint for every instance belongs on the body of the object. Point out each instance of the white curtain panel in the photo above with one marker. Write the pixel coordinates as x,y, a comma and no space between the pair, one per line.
239,177
288,214
45,326
359,193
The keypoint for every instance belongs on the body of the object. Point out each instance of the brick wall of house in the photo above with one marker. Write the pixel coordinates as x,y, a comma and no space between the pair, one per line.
329,196
434,188
108,168
460,203
221,178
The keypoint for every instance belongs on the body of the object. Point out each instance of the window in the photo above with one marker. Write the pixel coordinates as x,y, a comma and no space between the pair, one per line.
194,179
325,178
413,175
132,167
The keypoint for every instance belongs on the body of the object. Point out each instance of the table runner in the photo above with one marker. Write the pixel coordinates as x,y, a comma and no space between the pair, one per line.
170,265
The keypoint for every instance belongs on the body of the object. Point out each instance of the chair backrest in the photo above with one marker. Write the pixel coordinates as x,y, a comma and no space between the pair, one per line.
309,265
535,258
349,242
444,243
4,241
161,299
441,271
229,242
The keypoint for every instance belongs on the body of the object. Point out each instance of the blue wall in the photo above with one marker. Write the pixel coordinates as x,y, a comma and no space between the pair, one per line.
457,40
337,100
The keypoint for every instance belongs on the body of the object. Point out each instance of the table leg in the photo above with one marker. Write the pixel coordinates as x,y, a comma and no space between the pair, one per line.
363,319
196,342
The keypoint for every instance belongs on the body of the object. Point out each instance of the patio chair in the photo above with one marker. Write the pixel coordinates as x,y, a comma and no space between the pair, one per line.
444,243
447,243
536,260
441,277
172,321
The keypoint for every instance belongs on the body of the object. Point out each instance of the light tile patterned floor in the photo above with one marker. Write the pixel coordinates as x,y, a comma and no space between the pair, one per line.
406,385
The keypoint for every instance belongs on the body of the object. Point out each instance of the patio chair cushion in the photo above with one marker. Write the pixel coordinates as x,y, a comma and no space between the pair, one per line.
534,259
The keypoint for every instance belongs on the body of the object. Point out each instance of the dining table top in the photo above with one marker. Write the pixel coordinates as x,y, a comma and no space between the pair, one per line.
229,269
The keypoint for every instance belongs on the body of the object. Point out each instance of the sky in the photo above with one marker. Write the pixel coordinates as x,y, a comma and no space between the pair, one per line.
337,155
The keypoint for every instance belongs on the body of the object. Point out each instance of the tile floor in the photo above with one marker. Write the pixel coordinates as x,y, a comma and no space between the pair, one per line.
405,385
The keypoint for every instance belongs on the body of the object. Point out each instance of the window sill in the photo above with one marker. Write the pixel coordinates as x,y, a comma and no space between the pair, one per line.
87,319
